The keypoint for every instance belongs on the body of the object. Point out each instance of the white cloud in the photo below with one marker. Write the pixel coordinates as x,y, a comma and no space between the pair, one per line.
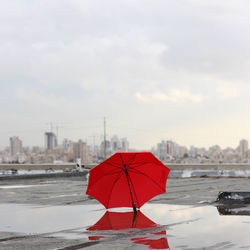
228,91
174,96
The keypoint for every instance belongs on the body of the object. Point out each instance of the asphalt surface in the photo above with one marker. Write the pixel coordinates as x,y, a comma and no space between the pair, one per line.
65,191
68,191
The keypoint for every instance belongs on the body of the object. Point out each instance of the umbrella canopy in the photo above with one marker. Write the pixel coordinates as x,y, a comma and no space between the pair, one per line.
127,179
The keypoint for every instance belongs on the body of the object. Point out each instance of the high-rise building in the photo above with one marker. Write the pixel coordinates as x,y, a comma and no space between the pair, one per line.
80,151
50,140
66,144
105,149
16,146
162,150
243,146
124,144
171,148
117,144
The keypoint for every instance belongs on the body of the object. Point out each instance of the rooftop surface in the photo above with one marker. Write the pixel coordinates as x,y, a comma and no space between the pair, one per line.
55,213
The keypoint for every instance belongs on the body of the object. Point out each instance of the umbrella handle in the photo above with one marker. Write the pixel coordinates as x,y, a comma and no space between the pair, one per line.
134,218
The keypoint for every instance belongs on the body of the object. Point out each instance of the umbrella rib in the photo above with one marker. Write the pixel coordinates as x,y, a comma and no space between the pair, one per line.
137,171
121,172
110,173
131,159
139,164
116,166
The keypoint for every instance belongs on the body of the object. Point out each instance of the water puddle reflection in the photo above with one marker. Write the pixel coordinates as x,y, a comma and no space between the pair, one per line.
156,226
132,223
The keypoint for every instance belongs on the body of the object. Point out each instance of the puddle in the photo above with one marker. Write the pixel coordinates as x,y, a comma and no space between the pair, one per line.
32,219
20,186
157,226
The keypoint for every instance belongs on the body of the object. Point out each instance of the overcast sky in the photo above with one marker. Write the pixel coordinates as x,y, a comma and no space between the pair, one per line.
156,69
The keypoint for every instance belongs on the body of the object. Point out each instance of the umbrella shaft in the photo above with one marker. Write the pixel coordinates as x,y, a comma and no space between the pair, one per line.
134,208
133,204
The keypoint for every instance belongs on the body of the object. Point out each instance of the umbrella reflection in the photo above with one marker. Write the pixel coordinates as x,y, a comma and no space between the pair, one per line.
138,223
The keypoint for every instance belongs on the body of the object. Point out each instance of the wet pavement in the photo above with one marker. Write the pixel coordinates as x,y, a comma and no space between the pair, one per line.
56,214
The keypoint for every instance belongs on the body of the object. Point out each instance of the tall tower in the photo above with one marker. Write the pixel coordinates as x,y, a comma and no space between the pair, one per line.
16,145
105,142
50,140
80,151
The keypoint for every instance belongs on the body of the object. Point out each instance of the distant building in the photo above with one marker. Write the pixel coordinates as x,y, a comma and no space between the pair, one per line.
162,150
167,150
243,147
115,144
80,151
50,140
66,144
16,146
193,151
172,148
120,145
183,151
215,154
105,149
124,145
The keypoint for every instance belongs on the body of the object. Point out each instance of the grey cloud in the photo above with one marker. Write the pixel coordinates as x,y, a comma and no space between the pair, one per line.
104,52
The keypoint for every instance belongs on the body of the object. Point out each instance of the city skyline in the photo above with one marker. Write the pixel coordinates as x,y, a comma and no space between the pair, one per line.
156,70
98,137
93,142
73,151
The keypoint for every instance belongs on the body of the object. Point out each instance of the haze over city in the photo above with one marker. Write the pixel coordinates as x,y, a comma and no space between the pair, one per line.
156,70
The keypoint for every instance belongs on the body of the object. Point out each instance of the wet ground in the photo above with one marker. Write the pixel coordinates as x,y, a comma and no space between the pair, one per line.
56,214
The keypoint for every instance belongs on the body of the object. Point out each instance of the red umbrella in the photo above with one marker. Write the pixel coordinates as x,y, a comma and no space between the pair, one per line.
127,180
